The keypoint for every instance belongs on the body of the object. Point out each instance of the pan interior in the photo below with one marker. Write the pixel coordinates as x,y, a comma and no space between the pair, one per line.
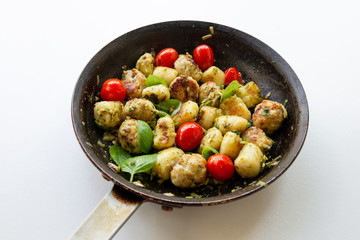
232,48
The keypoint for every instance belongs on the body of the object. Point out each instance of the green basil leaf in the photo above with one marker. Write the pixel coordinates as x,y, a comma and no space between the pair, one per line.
118,154
168,105
162,114
138,164
145,136
176,110
230,90
208,151
154,80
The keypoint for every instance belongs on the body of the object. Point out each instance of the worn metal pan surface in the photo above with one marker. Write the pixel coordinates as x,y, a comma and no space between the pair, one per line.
232,48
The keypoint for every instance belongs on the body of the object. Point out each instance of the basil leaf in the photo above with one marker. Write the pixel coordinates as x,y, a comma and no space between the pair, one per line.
154,80
208,151
230,90
138,164
118,154
168,105
162,114
145,136
176,110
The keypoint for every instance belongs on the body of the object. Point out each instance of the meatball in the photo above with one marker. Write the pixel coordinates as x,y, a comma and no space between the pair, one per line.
213,74
184,88
185,65
258,137
189,171
230,123
141,109
164,134
210,94
156,93
250,94
248,163
128,136
269,115
167,74
188,113
236,107
207,116
145,64
134,82
231,145
165,160
108,114
212,138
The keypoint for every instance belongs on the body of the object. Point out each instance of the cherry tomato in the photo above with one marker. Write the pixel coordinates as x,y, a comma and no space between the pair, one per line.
220,167
113,90
203,56
232,74
166,58
189,136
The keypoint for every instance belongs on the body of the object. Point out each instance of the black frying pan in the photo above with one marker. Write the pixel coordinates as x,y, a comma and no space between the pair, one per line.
232,48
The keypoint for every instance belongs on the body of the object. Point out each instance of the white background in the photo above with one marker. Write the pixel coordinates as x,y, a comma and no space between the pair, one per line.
48,186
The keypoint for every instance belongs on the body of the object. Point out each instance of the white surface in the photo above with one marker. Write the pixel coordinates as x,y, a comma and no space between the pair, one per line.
47,184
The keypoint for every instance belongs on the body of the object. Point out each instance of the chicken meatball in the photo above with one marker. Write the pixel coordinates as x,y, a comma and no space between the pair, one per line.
189,171
156,93
230,123
134,82
188,113
164,134
166,74
248,163
141,109
210,94
128,136
185,65
213,74
231,145
236,107
269,116
258,137
212,138
207,116
250,94
108,114
184,88
145,64
165,160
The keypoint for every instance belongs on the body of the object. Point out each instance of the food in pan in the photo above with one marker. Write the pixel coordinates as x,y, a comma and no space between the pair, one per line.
182,119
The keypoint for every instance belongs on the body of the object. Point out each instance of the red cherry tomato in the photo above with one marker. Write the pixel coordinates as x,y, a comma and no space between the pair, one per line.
220,167
189,136
166,58
232,74
113,90
203,56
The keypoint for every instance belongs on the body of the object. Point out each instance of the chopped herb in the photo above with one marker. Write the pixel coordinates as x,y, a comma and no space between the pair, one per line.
206,36
211,28
230,90
265,112
285,102
267,95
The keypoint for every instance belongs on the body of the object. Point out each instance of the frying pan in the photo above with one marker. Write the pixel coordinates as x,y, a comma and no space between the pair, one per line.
232,48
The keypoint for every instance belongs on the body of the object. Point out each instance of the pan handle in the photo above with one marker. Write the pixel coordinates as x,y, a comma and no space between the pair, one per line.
108,216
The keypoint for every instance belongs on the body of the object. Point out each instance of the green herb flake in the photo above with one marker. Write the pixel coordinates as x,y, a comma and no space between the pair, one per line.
285,102
167,105
230,90
138,164
145,136
152,80
265,112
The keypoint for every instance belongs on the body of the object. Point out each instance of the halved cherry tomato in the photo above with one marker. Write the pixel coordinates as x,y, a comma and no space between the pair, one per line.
220,167
203,56
166,58
113,90
189,136
232,74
